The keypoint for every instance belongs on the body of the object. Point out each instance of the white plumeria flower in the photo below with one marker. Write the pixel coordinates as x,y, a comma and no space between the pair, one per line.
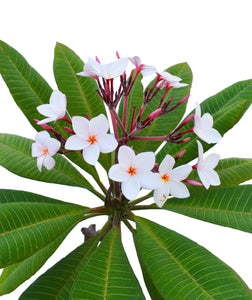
145,69
203,127
170,181
56,108
205,168
171,80
134,171
91,137
44,148
107,71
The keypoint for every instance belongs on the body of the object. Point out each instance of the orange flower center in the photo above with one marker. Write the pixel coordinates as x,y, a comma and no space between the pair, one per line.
45,151
165,177
92,139
132,171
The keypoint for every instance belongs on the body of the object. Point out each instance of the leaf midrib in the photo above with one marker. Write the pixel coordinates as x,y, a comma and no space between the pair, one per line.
38,223
178,263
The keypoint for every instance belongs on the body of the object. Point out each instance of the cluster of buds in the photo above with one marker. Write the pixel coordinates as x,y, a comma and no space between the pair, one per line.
131,171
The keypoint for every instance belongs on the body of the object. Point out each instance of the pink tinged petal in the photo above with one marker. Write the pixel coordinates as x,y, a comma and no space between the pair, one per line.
166,165
91,154
107,143
117,173
135,60
47,120
53,146
179,85
211,161
131,187
75,142
49,162
98,126
126,156
42,137
161,194
148,180
198,110
178,189
180,173
145,161
81,127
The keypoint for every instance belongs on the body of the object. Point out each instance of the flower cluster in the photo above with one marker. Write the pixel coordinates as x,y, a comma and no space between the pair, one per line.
131,171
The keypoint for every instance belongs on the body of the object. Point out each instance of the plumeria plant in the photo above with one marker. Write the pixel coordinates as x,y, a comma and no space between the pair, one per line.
102,113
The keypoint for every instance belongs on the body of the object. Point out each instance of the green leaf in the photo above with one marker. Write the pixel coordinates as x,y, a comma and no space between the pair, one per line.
226,107
62,274
28,225
15,155
30,90
226,206
181,269
107,274
232,171
16,274
166,123
82,98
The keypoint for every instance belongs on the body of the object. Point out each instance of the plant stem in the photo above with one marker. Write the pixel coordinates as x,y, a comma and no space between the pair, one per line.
140,207
133,203
127,223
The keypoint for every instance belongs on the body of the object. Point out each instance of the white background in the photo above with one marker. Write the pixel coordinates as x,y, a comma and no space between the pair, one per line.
214,37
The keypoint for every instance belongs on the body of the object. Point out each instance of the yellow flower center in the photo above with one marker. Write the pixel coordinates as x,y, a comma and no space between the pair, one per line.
92,139
165,178
131,171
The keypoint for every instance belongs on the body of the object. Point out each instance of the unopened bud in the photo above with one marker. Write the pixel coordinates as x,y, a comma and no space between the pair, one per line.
193,182
180,154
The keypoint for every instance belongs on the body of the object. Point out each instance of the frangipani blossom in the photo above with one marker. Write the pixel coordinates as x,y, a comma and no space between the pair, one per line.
144,69
56,108
107,71
203,127
170,81
44,148
134,171
205,168
169,181
91,137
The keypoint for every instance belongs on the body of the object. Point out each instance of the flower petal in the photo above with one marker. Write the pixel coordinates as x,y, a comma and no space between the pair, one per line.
211,161
126,156
81,127
115,69
131,187
213,178
203,175
209,136
181,172
107,143
37,149
47,120
58,103
148,180
178,189
207,121
145,161
166,165
75,142
117,173
99,125
161,194
46,110
40,161
53,146
49,162
91,154
42,137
